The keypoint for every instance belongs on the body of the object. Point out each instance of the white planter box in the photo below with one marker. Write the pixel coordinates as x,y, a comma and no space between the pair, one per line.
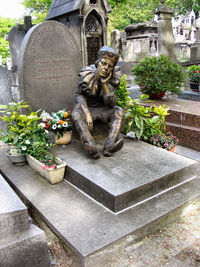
53,175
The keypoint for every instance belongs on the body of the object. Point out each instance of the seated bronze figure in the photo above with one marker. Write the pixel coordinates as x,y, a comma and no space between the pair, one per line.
96,100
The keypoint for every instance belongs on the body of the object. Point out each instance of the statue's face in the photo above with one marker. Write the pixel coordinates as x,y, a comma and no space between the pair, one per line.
104,67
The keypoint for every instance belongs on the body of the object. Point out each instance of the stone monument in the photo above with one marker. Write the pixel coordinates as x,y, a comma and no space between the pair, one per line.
87,22
48,67
166,43
15,38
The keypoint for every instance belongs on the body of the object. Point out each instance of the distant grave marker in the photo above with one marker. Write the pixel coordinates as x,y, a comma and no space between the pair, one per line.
48,67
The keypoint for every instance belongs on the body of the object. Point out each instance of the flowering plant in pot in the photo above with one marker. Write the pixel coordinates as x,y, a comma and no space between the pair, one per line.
164,140
24,131
18,125
193,73
157,75
60,123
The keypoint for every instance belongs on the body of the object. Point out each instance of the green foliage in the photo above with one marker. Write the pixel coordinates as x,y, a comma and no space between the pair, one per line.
193,73
23,130
122,93
38,9
132,11
5,26
144,121
37,6
158,74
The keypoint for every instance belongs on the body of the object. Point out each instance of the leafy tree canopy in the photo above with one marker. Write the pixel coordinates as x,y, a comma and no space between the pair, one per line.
5,26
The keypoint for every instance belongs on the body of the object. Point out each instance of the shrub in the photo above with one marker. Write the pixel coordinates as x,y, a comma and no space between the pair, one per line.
158,74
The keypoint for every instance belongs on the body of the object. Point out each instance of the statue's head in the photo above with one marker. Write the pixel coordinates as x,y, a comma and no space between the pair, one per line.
107,59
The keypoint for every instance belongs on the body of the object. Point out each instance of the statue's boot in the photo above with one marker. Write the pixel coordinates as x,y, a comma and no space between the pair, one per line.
112,147
91,149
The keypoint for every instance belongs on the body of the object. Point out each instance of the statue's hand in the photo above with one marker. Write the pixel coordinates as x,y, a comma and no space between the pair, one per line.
104,80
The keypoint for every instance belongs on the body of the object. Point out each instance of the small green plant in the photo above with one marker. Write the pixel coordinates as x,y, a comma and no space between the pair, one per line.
122,93
193,73
158,74
145,121
25,132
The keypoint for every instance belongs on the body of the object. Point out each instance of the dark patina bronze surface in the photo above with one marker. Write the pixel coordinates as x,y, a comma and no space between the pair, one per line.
96,100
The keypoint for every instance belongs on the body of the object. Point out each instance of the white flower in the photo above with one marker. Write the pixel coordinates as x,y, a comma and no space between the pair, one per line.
42,125
27,142
45,115
46,131
54,126
24,148
65,124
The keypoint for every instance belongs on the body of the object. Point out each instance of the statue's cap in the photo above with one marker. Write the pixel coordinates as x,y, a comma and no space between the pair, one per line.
108,52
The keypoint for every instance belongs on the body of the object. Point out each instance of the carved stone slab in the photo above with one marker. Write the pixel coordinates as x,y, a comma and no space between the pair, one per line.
48,67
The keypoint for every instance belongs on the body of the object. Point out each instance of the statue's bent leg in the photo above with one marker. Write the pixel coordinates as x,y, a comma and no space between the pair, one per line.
113,143
84,133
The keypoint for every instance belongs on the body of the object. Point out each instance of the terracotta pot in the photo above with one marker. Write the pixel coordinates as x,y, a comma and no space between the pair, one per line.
194,87
63,140
172,150
156,96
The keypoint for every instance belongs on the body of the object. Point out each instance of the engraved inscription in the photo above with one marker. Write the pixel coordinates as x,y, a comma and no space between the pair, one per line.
55,69
36,41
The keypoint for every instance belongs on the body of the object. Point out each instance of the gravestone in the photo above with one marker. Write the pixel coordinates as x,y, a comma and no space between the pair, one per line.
5,90
49,62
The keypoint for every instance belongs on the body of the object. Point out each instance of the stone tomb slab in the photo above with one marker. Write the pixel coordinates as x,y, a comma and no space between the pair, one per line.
133,174
92,231
48,67
13,213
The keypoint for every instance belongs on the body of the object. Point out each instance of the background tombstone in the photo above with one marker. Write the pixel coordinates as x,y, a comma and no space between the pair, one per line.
48,67
5,90
166,42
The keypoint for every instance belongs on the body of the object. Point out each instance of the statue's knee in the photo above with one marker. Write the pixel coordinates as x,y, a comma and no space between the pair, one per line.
76,116
118,112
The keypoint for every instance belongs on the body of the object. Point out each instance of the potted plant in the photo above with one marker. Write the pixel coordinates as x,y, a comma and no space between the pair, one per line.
60,123
28,136
193,73
167,141
157,75
17,126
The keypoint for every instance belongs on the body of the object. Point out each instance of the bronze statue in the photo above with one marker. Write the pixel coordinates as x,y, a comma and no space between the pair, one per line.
96,99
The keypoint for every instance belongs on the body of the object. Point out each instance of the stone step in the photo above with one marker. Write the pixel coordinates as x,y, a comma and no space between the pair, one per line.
131,176
182,118
25,249
13,213
188,136
91,230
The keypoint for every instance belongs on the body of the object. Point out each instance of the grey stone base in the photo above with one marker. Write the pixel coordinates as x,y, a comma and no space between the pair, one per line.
26,249
190,95
89,228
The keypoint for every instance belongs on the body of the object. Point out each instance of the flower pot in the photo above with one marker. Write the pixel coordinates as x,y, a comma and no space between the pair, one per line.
64,139
194,87
52,175
15,156
172,150
156,96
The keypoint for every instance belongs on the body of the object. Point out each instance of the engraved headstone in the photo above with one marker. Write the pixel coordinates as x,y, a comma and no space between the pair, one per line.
48,67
